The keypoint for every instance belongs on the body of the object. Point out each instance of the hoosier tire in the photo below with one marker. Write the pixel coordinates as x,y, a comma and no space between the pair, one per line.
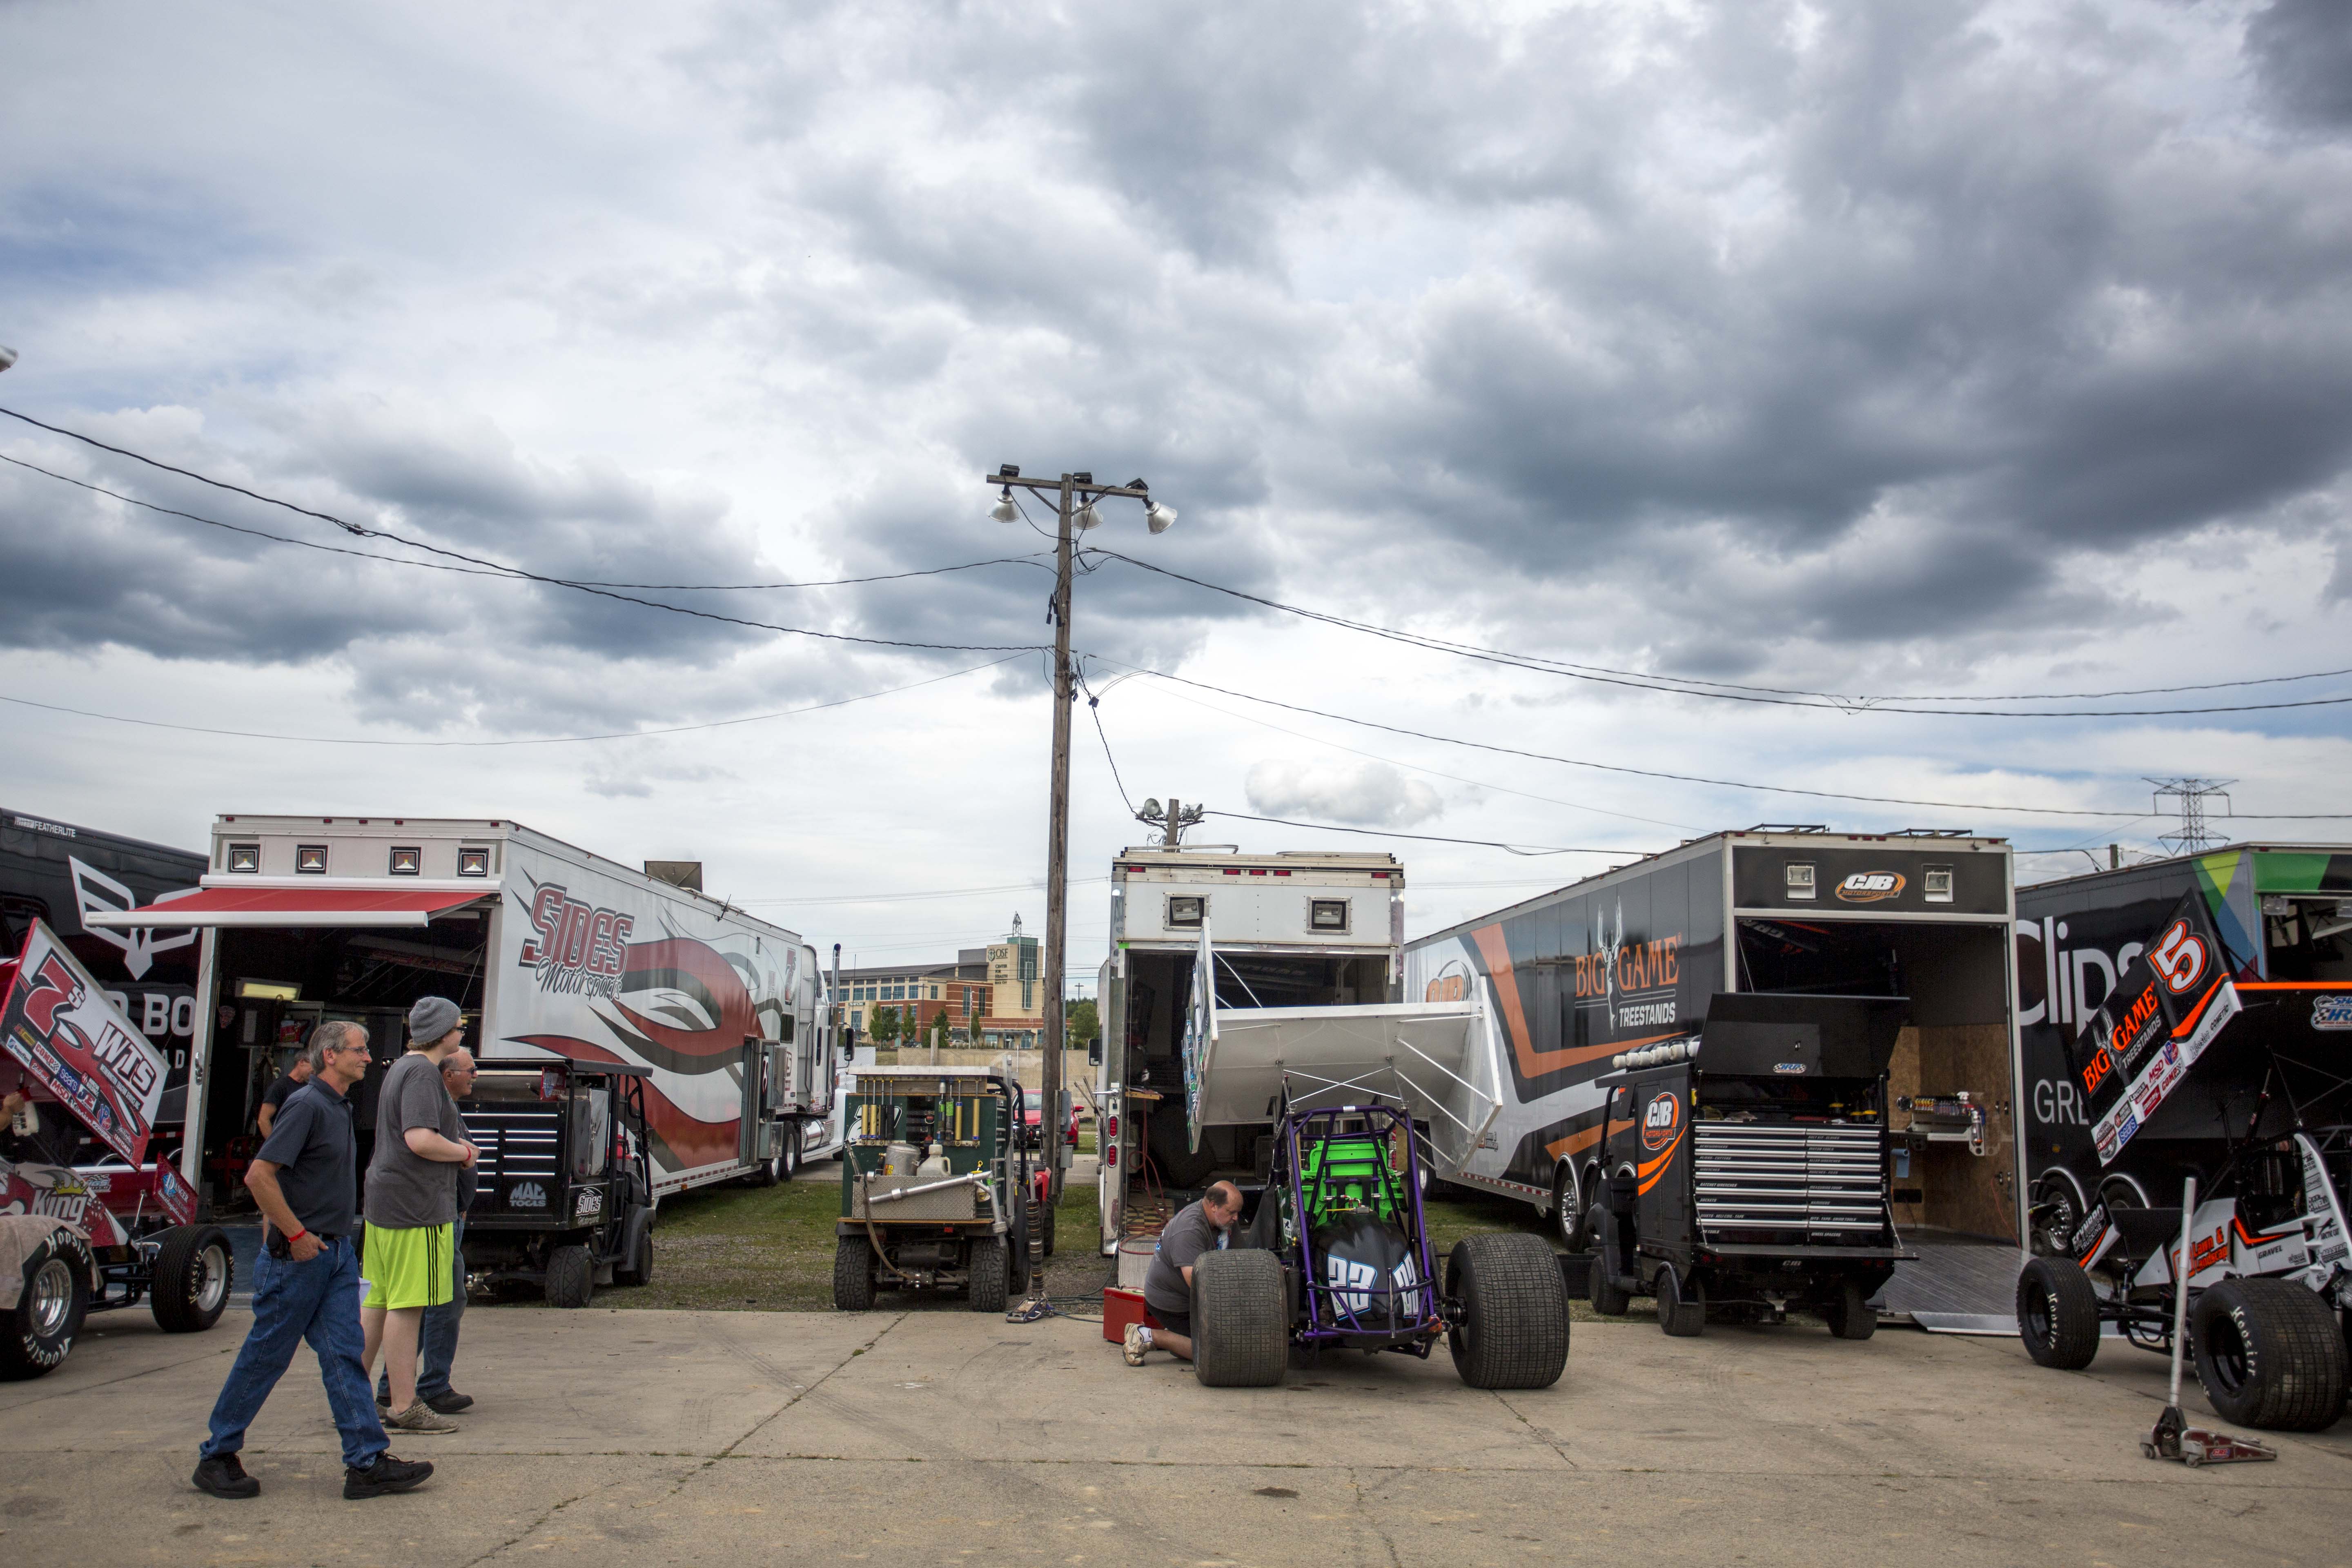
1609,1299
991,1272
853,1275
1851,1317
2270,1354
35,1336
570,1276
1241,1331
194,1270
1514,1331
2058,1313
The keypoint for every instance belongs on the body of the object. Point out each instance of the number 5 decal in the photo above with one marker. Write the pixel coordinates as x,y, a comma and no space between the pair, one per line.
2178,957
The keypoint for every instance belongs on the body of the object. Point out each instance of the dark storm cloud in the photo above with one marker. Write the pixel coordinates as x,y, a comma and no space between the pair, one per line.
2302,49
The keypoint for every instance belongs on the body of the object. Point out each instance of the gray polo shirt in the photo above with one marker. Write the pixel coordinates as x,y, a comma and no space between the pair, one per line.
317,1155
1182,1242
405,1189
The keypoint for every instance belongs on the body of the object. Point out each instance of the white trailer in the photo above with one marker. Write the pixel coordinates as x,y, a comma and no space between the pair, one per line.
550,951
1292,931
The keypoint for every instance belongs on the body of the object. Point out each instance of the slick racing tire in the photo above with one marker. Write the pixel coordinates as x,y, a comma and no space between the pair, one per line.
2058,1313
1850,1314
2270,1354
194,1270
1240,1327
1514,1327
1609,1299
570,1276
35,1336
990,1270
1682,1305
853,1275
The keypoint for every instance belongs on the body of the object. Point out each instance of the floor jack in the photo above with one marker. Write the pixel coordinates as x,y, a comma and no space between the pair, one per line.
2172,1437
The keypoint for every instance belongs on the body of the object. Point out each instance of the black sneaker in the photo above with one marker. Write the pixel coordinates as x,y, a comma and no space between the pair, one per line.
448,1402
223,1475
389,1474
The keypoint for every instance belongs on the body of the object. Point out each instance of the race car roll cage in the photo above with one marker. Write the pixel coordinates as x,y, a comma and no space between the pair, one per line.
1329,1321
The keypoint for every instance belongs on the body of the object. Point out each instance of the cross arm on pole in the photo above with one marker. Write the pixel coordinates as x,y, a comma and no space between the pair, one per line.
1054,487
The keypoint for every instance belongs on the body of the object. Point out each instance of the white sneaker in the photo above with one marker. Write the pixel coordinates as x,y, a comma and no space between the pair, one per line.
1133,1348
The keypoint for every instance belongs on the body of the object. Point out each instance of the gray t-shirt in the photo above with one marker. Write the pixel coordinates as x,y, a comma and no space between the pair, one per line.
1182,1242
316,1156
405,1189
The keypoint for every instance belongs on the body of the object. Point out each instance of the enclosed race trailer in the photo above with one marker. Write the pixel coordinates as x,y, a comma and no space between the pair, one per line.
556,951
1292,930
1633,958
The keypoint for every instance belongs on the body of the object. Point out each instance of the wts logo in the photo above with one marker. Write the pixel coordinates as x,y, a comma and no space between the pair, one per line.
1870,887
579,948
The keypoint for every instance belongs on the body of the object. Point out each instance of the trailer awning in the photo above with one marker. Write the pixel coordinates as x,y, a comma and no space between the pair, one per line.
291,907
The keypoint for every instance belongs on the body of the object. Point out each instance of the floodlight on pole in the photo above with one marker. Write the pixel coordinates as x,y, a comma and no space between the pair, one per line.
1157,517
1004,510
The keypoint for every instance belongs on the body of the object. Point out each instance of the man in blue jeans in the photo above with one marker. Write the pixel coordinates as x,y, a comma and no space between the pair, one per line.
306,1284
437,1338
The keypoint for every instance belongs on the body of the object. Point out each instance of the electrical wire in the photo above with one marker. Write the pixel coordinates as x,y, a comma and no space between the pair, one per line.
1731,691
359,531
1686,778
531,741
1428,837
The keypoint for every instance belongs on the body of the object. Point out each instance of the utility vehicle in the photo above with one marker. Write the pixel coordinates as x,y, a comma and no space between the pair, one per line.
936,1189
563,1195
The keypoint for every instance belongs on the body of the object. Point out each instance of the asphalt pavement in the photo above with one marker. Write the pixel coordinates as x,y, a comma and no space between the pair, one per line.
748,1437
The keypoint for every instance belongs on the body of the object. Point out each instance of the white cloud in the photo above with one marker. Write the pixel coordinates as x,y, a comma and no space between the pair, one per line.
1360,793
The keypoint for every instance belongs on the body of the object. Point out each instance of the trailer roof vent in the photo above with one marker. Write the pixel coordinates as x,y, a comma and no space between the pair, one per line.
685,874
1789,828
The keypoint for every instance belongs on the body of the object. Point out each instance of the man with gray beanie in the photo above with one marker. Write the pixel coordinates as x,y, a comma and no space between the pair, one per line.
411,1206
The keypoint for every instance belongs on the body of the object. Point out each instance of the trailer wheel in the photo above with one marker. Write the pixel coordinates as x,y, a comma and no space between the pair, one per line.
1567,1208
990,1268
1682,1304
1514,1327
2270,1354
194,1269
1609,1299
1241,1331
49,1309
853,1275
2058,1313
570,1276
1850,1316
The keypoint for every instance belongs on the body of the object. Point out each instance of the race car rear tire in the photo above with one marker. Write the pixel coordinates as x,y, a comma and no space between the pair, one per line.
1850,1314
1682,1305
35,1336
853,1275
1513,1328
2058,1313
990,1274
194,1270
570,1276
1240,1327
1610,1299
2270,1354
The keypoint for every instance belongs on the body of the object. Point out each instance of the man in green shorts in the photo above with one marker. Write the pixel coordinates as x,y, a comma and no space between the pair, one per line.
412,1204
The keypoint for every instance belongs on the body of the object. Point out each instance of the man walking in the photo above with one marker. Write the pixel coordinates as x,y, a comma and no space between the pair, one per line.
306,1281
411,1206
437,1338
1198,1227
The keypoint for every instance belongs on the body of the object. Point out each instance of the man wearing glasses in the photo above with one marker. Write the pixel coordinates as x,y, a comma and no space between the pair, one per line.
305,1283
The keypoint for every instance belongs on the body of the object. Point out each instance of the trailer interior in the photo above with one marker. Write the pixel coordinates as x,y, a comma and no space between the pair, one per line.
1948,1083
277,983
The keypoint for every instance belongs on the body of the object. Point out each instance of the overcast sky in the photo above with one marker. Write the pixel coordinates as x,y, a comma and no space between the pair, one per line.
1889,348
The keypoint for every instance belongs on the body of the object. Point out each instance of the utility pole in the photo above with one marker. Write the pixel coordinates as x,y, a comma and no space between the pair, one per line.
1075,496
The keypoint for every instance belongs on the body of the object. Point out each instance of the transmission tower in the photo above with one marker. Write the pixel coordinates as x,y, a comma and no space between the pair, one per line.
2191,838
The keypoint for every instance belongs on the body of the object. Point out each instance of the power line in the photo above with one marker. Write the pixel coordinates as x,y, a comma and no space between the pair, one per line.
1424,837
1682,778
533,740
1784,697
359,531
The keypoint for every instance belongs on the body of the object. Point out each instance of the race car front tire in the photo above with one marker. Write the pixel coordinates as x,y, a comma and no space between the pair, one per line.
2270,1354
35,1336
1514,1327
195,1271
2058,1313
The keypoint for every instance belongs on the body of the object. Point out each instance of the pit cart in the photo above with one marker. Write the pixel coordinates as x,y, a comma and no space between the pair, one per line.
563,1196
935,1188
105,1235
2240,1085
1746,1166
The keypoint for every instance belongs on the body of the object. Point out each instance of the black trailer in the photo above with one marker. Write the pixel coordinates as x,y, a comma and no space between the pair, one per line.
1748,1166
563,1197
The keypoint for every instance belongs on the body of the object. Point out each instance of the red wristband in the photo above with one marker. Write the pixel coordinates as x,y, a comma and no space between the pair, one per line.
297,1236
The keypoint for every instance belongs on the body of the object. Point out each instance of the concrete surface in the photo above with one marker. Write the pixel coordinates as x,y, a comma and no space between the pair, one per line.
743,1437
